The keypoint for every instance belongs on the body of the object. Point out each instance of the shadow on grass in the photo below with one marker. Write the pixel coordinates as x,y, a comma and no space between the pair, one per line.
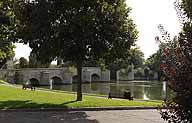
15,104
69,102
41,116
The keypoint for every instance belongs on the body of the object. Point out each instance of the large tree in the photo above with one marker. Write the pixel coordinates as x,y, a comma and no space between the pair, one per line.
6,31
76,31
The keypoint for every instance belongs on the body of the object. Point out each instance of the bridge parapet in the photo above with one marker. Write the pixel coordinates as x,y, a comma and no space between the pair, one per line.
43,75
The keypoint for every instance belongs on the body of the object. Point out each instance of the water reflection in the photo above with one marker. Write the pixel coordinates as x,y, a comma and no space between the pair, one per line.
154,90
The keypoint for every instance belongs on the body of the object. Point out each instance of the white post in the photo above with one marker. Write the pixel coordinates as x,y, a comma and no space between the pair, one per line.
51,84
117,75
164,90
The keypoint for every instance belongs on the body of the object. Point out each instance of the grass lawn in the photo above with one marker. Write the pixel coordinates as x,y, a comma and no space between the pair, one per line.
2,82
11,97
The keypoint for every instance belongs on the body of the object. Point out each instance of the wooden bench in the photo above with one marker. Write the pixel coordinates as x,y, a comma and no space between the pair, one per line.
125,96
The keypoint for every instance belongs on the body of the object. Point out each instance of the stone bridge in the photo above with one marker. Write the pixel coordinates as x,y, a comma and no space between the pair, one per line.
42,76
93,74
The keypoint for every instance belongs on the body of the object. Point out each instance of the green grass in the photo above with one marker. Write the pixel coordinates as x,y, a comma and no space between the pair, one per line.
11,97
2,82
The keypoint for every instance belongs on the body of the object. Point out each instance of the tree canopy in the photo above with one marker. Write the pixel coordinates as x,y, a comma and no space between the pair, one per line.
76,31
23,63
136,57
35,63
7,31
154,62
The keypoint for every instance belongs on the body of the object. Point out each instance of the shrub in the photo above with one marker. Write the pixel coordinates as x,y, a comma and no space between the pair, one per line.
177,67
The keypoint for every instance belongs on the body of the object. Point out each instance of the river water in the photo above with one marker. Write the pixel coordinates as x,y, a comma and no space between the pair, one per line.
147,90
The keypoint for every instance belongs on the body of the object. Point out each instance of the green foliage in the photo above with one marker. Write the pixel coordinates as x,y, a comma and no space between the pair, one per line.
136,57
76,31
186,5
11,98
35,63
154,62
139,72
177,67
7,31
6,52
146,72
59,62
23,63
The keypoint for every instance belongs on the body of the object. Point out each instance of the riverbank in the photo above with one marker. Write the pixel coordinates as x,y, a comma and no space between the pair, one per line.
16,98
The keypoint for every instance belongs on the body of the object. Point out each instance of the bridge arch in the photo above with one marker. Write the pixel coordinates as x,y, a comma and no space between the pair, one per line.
34,81
56,80
75,78
95,77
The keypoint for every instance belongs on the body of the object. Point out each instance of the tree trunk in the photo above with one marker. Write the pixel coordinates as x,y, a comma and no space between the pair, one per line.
79,83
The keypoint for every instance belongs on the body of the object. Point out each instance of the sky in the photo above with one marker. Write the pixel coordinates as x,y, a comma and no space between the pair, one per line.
147,15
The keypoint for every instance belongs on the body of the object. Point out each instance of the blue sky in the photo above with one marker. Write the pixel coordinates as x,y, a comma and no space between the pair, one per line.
147,14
